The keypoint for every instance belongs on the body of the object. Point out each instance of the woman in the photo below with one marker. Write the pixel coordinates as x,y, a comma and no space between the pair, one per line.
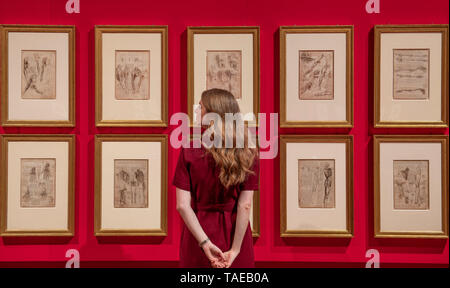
215,194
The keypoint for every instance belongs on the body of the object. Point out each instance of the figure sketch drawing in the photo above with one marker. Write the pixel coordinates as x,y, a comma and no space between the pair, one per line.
132,75
37,182
131,183
316,75
38,74
224,71
411,184
316,183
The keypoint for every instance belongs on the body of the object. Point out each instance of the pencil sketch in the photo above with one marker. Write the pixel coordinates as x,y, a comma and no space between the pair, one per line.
411,184
37,182
38,74
224,71
132,75
316,75
130,183
316,183
411,74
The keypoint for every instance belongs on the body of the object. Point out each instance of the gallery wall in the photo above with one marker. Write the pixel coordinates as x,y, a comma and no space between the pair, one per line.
270,249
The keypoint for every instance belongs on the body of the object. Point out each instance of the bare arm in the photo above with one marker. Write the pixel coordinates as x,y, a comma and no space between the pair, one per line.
188,215
212,252
242,219
245,202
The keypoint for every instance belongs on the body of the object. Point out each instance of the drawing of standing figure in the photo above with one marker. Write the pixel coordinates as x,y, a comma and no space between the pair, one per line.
120,75
123,199
33,176
327,183
138,75
417,183
33,179
125,178
404,185
133,191
46,171
140,184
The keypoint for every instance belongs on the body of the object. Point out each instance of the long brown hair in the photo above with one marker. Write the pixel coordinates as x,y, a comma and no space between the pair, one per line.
235,163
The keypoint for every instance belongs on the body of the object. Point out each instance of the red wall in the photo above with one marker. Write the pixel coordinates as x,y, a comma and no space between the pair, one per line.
270,249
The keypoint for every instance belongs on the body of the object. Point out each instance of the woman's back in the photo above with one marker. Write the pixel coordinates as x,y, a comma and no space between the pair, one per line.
214,205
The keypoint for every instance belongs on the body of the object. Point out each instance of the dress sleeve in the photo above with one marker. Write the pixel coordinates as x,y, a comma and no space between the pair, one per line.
252,181
181,178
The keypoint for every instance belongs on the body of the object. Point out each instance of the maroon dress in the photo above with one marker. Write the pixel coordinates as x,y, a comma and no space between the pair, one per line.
215,207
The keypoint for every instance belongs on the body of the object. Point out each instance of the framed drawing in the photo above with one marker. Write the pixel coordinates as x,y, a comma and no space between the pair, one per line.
411,186
37,75
131,185
225,58
131,76
316,179
316,76
37,185
411,76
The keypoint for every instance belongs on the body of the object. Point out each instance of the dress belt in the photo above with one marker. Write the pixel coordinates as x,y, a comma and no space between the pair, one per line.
219,207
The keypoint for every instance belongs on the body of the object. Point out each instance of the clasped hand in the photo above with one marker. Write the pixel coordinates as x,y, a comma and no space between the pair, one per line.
217,258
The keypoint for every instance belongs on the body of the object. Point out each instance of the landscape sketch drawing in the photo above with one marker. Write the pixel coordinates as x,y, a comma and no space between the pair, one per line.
130,183
316,183
38,74
411,74
37,182
411,180
224,71
132,75
316,75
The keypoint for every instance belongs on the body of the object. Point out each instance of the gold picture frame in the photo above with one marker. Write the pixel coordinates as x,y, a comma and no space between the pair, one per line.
99,31
99,139
348,31
348,141
226,30
256,229
443,140
412,29
5,139
4,40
